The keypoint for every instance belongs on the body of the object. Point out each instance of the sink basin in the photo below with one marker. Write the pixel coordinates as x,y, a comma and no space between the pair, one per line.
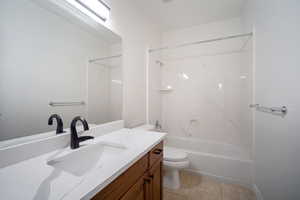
82,160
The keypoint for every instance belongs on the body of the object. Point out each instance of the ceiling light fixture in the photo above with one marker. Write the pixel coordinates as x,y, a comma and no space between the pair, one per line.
96,9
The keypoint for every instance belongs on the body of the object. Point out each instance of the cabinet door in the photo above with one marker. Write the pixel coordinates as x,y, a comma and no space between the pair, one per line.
124,182
140,190
156,183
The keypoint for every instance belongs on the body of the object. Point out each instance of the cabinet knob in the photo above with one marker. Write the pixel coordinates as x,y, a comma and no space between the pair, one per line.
157,151
147,180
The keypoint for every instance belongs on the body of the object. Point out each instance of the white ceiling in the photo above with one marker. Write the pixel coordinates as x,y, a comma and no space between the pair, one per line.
175,14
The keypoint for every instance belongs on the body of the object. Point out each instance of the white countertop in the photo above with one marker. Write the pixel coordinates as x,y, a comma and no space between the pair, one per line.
35,179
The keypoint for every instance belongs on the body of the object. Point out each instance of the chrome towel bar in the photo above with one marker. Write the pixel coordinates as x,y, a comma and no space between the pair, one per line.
282,111
54,104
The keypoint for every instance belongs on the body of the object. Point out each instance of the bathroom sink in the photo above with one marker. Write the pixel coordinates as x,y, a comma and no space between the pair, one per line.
80,161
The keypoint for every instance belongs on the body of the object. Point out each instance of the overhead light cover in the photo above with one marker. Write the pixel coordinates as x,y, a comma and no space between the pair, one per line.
96,9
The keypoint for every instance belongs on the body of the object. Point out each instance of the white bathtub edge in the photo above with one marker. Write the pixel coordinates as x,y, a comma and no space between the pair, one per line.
213,155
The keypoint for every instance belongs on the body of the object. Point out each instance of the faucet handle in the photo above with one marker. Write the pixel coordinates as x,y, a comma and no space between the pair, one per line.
84,138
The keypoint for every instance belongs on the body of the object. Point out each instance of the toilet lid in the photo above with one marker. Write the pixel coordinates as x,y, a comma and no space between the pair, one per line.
172,154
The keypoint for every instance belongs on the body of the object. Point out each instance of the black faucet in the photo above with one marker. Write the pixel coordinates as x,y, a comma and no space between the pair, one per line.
75,140
60,125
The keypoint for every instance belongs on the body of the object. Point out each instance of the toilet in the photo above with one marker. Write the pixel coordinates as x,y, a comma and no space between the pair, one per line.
173,161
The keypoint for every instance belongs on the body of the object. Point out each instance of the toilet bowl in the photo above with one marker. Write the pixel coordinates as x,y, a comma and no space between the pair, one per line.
173,161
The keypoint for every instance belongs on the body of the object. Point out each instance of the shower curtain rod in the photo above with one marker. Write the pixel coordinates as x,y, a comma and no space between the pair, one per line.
200,42
105,58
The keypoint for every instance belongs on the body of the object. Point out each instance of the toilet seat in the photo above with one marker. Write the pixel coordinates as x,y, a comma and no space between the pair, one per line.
177,165
174,155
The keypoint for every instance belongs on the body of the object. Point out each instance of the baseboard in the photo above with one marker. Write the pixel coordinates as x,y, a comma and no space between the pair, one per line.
257,193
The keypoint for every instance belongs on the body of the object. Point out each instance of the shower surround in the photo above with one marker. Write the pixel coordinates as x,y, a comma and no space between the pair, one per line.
202,93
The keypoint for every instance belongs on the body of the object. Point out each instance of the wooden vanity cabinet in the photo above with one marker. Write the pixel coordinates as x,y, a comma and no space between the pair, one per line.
139,191
142,181
156,178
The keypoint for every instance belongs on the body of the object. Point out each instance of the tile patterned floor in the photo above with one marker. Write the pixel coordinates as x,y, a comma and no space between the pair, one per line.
197,187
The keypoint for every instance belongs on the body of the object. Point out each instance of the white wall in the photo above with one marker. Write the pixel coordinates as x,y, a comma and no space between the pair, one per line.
277,140
202,32
138,34
199,107
43,58
116,84
105,88
98,94
154,85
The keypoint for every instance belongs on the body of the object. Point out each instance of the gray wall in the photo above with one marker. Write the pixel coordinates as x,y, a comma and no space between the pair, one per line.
277,65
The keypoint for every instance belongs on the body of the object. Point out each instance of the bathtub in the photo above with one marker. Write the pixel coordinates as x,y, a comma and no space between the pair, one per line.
222,161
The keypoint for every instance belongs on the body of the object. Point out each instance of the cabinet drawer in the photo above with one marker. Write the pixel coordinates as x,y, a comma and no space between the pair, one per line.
121,185
156,154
